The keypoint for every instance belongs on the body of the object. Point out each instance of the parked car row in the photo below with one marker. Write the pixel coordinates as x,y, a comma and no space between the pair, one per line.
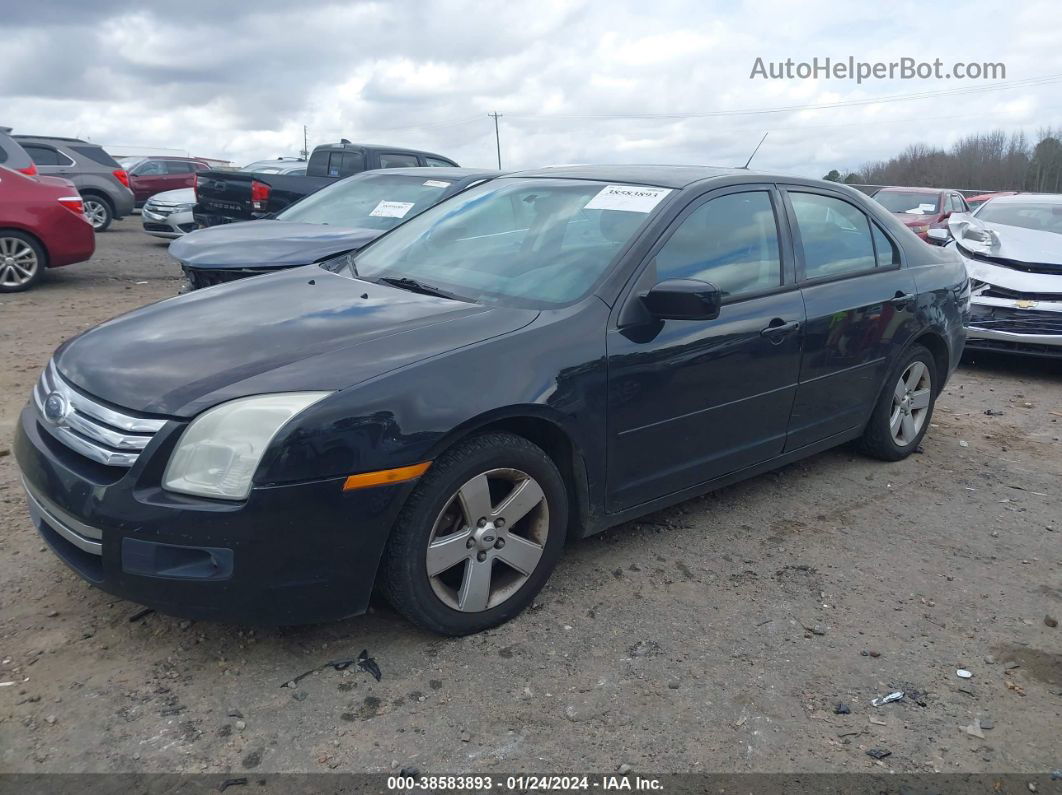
473,368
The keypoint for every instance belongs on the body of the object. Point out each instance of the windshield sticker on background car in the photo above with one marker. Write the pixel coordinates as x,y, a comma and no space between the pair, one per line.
632,198
436,183
386,209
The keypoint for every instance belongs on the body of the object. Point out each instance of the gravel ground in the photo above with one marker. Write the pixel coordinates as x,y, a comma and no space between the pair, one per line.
716,636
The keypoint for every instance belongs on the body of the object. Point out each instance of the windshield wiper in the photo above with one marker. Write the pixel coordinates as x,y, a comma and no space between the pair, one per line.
405,283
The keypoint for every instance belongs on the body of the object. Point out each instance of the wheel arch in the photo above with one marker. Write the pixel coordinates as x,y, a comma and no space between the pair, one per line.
542,427
934,342
97,193
36,239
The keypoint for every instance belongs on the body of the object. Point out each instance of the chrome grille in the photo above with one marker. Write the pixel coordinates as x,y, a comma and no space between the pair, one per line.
90,428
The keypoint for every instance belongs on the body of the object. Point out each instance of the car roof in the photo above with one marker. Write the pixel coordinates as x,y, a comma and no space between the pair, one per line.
1025,198
53,138
446,172
399,150
662,176
916,190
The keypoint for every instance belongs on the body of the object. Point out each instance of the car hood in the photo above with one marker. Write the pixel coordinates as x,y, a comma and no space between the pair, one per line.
266,243
916,219
177,196
1003,242
300,330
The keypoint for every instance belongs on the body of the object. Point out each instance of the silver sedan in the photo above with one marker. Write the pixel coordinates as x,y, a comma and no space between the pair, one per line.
169,214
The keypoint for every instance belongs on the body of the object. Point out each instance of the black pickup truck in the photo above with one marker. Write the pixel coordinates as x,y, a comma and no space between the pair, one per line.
226,196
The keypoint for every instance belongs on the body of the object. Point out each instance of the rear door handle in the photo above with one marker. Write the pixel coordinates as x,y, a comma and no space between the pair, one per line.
778,329
902,299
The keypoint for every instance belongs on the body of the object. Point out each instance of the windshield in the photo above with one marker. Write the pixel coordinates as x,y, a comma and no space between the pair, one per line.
536,241
1037,215
370,201
911,202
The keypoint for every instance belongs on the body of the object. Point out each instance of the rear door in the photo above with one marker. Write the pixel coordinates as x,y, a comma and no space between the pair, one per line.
148,178
860,304
179,174
49,160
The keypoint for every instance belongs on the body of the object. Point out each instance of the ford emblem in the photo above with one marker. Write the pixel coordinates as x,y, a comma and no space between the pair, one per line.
55,407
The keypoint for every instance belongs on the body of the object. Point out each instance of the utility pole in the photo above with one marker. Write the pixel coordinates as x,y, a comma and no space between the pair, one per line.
497,137
305,144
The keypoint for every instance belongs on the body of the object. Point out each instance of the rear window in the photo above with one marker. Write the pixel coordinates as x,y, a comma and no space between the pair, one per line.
909,202
98,154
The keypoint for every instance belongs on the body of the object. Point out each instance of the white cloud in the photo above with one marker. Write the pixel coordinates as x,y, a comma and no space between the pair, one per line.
240,81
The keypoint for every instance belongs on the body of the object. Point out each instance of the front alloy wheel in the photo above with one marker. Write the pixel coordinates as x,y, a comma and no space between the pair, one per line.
478,537
488,540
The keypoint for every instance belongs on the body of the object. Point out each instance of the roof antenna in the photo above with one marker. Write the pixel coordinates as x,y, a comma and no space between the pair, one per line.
754,151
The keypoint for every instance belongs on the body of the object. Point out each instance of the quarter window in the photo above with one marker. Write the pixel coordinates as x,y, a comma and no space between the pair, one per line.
888,255
434,161
394,160
835,236
731,241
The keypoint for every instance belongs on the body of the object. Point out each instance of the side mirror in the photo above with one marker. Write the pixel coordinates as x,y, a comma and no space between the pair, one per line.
938,234
683,299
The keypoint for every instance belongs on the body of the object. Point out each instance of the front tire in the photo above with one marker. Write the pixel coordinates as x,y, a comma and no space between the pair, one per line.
98,211
479,536
904,409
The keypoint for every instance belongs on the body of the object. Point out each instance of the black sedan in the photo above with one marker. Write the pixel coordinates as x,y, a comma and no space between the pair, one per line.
531,361
345,216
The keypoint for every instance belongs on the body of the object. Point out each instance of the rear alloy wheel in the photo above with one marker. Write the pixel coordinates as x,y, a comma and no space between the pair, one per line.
21,262
901,417
99,212
479,536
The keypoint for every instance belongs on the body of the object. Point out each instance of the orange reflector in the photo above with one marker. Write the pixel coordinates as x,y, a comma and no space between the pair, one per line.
385,476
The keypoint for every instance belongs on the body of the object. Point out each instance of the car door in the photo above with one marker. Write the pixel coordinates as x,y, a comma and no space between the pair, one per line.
148,178
860,303
692,400
179,174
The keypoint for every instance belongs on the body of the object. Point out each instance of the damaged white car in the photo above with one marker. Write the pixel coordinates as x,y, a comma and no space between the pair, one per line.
1012,247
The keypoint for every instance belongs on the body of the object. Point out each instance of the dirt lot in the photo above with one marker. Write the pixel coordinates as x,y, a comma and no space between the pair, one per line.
716,636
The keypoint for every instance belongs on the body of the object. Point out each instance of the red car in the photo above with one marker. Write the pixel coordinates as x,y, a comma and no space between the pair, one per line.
977,201
921,209
42,225
153,175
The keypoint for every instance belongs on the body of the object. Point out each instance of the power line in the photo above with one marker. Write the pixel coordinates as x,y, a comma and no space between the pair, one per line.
497,136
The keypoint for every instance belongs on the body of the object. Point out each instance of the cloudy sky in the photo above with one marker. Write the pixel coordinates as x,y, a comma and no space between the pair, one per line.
576,81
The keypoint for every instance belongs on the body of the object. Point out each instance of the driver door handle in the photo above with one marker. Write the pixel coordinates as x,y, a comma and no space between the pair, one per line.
778,328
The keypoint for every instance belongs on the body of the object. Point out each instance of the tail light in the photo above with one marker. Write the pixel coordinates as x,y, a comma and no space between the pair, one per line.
73,204
121,175
30,170
259,195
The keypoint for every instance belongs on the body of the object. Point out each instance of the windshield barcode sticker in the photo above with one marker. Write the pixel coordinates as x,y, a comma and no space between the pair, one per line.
387,209
632,198
436,183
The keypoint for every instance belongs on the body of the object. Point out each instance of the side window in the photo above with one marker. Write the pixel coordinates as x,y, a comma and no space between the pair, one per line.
46,155
888,255
959,202
835,236
434,161
149,168
343,164
731,241
395,160
178,167
200,167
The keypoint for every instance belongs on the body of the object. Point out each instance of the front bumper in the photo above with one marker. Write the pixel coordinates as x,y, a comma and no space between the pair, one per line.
290,554
160,223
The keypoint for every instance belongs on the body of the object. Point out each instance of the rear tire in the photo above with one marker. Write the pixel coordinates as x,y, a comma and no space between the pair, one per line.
479,536
22,261
99,211
904,409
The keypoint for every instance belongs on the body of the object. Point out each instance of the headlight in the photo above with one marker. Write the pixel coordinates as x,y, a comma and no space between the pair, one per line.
921,229
219,452
184,208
